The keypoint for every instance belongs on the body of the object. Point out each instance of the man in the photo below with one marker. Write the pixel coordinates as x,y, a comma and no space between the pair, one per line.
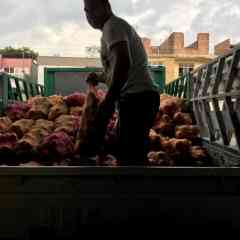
130,84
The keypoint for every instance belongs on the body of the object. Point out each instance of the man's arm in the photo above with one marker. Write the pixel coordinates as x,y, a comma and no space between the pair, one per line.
121,60
102,77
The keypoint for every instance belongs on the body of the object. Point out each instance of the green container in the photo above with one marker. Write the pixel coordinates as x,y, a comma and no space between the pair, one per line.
159,76
65,81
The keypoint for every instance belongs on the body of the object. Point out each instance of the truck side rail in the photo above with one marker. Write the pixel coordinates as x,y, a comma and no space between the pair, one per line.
214,93
14,89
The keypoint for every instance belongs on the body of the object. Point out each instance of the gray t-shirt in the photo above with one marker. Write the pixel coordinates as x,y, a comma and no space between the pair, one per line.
139,79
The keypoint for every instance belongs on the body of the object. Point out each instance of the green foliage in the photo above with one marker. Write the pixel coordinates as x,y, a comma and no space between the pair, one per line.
23,52
92,51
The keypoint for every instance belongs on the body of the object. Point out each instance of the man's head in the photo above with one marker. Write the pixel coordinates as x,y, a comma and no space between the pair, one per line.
97,12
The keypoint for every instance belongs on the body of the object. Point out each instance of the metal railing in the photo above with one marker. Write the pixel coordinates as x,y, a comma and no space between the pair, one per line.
13,89
181,87
213,90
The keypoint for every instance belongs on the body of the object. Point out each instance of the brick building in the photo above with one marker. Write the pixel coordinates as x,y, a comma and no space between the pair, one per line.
177,57
223,47
19,67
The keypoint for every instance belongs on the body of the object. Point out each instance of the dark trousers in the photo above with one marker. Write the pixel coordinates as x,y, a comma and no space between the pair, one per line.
136,117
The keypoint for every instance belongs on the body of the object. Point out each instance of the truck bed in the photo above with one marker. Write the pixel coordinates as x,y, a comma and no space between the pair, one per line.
61,200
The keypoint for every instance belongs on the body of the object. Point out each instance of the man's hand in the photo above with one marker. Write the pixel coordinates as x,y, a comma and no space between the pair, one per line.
92,79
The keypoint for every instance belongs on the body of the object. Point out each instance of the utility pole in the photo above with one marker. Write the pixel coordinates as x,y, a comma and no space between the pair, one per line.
23,56
1,64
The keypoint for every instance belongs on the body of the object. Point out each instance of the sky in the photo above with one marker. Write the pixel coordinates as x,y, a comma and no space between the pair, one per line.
59,27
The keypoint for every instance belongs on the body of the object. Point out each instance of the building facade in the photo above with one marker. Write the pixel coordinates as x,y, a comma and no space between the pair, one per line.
177,58
19,67
223,47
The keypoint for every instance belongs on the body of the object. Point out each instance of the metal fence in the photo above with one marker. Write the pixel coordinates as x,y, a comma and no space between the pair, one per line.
14,89
213,90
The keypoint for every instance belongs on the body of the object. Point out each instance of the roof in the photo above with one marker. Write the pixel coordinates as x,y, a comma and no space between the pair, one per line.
69,61
182,56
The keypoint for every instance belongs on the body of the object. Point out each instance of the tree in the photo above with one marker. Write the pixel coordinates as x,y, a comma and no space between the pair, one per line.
93,51
23,52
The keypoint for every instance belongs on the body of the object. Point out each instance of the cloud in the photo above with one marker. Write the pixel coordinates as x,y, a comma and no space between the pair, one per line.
219,17
53,27
68,40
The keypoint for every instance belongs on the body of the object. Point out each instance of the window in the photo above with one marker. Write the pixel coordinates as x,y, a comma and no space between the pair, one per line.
9,70
183,68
